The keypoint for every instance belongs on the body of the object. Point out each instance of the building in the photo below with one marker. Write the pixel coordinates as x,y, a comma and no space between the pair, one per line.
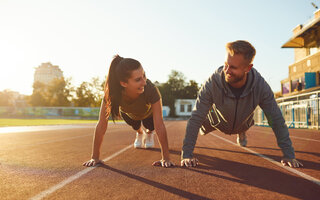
304,72
183,107
47,72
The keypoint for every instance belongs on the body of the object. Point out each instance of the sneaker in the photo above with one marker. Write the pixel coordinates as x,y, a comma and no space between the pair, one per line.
242,139
148,140
138,141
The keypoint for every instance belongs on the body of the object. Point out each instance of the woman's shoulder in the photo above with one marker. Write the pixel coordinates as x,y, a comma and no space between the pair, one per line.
151,92
150,85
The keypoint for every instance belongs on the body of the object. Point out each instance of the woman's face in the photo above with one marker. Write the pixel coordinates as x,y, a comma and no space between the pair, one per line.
136,82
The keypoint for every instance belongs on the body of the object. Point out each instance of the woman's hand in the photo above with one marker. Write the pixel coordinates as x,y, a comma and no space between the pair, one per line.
163,163
92,162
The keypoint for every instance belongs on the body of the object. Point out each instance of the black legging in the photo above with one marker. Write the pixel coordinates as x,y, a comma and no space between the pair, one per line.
136,124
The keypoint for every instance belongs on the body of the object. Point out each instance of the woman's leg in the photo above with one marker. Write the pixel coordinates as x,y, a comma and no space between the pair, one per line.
149,137
136,125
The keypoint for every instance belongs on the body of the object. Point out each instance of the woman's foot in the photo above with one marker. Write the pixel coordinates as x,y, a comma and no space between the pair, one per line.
138,141
148,140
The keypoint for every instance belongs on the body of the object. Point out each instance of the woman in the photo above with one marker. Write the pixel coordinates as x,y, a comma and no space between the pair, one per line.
130,95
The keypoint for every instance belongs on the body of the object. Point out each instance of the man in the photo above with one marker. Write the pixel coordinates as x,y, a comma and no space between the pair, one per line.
230,96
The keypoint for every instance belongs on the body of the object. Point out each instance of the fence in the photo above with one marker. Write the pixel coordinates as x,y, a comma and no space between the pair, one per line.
300,111
50,112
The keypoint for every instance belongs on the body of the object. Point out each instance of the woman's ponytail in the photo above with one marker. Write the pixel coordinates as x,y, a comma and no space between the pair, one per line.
113,89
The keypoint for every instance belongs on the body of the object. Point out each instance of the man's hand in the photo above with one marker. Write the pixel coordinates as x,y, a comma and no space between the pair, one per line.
291,162
92,162
189,162
163,163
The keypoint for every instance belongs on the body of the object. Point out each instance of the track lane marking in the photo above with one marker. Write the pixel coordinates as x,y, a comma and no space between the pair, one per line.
303,175
76,176
56,187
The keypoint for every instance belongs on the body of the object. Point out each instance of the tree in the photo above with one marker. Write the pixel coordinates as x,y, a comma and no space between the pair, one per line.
190,90
6,98
38,97
57,93
176,88
89,94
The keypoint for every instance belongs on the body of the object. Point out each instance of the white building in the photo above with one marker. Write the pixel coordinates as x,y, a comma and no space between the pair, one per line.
184,106
47,72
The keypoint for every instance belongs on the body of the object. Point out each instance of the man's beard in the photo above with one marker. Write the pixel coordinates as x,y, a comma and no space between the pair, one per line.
234,79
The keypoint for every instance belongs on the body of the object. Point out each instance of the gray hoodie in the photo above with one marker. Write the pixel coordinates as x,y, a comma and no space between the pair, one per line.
235,115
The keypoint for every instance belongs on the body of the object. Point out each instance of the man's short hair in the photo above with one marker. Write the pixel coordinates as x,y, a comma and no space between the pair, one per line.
241,47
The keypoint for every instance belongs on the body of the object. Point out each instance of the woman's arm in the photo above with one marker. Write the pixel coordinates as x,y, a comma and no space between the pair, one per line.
162,135
99,132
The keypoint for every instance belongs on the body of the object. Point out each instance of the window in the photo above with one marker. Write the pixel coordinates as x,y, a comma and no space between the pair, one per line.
181,108
285,87
189,108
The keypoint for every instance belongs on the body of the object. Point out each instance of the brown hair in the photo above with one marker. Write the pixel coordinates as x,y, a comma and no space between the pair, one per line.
120,70
241,47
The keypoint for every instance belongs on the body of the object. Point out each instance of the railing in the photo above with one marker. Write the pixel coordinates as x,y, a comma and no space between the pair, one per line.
50,112
300,111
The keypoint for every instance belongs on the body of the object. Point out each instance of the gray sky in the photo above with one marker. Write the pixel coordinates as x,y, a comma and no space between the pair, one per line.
82,36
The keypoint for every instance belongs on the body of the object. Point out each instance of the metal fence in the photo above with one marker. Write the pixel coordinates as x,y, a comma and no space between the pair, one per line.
299,111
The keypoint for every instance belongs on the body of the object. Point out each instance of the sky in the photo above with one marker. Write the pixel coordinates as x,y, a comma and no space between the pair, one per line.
189,36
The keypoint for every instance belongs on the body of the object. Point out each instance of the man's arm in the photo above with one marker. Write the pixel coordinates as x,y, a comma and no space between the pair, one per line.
199,113
277,123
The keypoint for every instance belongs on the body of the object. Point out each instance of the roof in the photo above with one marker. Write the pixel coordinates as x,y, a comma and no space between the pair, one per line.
298,40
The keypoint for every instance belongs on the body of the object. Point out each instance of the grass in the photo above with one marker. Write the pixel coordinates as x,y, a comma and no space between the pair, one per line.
36,122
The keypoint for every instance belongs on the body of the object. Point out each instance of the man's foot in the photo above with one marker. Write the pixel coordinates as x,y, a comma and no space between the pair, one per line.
242,139
148,140
138,141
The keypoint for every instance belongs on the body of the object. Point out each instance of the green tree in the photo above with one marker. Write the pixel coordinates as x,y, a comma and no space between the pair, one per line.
38,97
89,94
176,88
191,90
57,93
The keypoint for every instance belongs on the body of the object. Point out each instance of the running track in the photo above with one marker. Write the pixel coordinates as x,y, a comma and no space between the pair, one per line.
46,163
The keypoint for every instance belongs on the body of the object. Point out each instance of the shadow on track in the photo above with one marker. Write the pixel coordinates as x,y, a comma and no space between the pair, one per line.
164,187
255,176
306,163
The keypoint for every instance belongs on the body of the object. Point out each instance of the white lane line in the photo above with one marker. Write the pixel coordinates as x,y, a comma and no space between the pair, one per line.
79,174
303,175
297,137
75,177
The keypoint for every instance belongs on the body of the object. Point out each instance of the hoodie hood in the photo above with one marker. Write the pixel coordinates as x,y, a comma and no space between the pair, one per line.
253,76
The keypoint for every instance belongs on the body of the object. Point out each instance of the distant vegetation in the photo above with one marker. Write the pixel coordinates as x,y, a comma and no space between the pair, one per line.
89,94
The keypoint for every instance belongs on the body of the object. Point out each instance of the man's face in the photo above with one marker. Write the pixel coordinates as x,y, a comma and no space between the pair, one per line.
236,69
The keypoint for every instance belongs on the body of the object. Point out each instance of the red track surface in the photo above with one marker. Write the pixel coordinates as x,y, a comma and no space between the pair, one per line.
41,164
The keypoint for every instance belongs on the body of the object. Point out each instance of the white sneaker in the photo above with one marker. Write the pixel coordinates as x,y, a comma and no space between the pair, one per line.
242,139
138,141
148,140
